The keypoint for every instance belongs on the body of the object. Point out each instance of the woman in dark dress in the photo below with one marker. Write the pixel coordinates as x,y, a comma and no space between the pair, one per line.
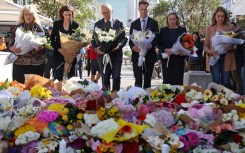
173,67
32,62
196,63
65,25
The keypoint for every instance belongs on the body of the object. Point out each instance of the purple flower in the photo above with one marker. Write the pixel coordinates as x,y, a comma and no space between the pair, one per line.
29,148
164,117
36,103
77,144
48,116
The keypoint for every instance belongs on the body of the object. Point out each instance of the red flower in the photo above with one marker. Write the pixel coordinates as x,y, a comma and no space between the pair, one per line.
180,98
91,105
141,117
131,147
237,138
126,129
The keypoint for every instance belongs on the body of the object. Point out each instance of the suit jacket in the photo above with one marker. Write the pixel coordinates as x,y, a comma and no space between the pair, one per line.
55,35
118,25
229,56
150,25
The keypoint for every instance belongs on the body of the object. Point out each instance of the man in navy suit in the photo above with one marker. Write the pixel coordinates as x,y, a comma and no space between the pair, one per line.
115,54
143,23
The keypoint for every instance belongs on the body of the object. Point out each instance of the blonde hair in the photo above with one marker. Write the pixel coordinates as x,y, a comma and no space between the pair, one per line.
32,10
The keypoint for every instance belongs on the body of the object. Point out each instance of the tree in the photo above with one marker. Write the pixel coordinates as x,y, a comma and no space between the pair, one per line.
195,15
82,12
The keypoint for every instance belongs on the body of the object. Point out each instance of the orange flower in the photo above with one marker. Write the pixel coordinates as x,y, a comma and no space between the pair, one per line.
186,45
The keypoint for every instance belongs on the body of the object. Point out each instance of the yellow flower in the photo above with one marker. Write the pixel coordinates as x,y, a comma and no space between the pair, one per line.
56,107
65,117
240,105
69,127
23,129
65,111
45,141
154,94
40,92
111,112
207,94
80,116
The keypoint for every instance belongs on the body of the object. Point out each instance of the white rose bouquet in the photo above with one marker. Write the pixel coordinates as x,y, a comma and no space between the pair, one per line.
220,41
142,39
26,41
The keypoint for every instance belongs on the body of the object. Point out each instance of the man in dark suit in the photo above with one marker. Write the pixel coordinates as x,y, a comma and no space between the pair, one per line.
143,23
115,54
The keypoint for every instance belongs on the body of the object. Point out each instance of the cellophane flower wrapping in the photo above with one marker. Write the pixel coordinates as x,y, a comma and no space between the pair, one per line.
142,39
220,41
184,43
6,103
26,41
107,40
72,47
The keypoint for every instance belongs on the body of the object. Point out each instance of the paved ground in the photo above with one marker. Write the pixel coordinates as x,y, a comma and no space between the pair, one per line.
127,78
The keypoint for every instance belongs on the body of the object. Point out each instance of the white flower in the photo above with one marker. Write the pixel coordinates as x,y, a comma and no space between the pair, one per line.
174,140
4,122
155,141
104,126
150,119
27,137
91,119
53,145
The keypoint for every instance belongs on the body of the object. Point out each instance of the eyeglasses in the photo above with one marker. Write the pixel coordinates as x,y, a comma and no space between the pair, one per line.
105,13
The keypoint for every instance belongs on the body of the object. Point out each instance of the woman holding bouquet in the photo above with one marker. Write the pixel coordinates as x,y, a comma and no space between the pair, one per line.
65,25
33,61
173,66
226,63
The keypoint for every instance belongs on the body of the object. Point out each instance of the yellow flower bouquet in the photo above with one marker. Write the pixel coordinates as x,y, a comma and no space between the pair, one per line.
125,131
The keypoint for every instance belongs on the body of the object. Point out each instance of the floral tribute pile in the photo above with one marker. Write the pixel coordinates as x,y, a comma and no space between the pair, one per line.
76,116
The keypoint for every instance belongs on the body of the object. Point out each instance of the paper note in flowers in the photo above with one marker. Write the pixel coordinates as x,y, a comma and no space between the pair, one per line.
142,39
6,103
72,47
184,43
107,40
220,41
26,41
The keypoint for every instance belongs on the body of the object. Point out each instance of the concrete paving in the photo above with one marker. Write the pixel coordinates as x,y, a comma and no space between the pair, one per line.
127,77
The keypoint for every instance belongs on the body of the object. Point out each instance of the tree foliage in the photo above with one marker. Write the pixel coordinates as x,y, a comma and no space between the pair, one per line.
195,15
50,8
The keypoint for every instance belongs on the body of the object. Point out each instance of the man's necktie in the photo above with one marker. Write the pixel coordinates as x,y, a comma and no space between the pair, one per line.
143,25
108,25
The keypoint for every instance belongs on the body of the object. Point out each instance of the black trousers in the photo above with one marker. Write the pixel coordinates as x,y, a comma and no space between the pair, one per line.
58,69
173,73
144,71
19,71
114,71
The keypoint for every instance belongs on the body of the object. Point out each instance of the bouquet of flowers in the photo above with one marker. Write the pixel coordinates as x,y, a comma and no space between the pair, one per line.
142,39
6,103
108,40
220,41
184,43
26,41
72,43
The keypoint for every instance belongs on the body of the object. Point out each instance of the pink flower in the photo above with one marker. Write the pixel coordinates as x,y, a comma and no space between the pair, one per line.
193,139
48,116
118,148
144,110
186,146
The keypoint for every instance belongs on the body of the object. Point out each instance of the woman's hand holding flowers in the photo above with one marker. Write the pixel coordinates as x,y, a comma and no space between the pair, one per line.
148,47
136,49
14,49
168,51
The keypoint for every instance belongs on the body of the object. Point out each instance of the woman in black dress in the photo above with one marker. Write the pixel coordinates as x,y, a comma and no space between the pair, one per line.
173,67
65,25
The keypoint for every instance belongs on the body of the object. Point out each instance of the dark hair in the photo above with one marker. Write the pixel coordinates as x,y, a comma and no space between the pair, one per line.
234,24
62,10
220,9
143,2
198,36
